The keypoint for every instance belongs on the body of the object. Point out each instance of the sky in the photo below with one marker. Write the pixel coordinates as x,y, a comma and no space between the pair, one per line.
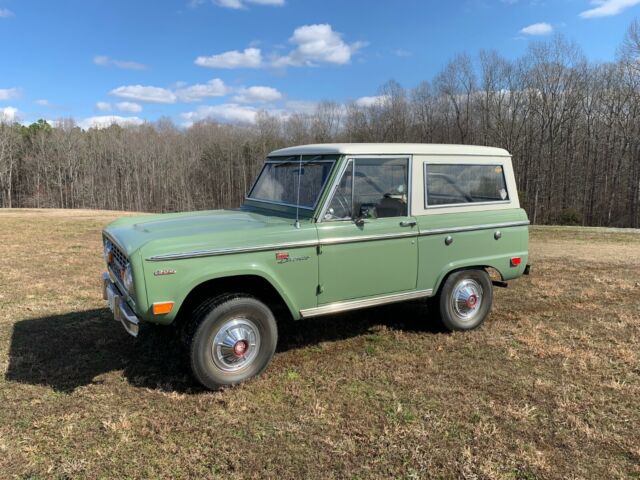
105,61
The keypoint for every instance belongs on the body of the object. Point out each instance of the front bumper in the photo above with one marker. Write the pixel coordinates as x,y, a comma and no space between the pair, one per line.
121,311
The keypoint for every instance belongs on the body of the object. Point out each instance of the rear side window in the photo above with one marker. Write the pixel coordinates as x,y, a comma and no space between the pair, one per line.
455,184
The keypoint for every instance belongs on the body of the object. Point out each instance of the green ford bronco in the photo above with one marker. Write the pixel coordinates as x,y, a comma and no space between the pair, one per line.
324,229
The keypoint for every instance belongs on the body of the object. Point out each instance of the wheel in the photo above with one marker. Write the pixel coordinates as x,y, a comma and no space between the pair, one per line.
232,338
465,299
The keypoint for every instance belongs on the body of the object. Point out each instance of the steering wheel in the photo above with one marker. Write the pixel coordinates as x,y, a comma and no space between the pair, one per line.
342,200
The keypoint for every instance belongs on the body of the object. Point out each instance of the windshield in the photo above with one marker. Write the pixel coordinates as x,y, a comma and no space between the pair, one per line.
279,179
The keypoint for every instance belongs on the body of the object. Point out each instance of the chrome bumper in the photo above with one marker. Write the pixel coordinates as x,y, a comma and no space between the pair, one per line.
121,311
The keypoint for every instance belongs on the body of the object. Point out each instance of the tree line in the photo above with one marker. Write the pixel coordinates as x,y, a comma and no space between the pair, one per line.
572,126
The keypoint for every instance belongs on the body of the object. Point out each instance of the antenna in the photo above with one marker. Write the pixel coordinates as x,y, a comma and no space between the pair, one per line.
297,224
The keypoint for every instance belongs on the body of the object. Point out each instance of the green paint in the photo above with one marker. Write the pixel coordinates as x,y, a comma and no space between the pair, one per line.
311,275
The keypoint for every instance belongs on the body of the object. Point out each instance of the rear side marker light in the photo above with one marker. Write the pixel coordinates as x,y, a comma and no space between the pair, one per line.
515,261
162,308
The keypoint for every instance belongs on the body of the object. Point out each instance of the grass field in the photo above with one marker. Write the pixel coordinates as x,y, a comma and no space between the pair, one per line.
549,387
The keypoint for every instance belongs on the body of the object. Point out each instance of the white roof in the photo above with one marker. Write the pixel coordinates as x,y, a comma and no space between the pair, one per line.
391,149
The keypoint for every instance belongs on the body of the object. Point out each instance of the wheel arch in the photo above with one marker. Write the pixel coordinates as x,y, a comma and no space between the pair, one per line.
491,270
254,284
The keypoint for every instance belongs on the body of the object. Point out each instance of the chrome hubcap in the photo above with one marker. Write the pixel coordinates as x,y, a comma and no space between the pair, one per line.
236,344
466,299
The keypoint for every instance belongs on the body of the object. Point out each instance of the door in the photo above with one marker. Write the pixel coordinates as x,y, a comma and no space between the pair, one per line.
368,241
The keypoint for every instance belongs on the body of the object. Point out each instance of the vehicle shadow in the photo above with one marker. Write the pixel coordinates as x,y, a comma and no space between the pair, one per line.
72,350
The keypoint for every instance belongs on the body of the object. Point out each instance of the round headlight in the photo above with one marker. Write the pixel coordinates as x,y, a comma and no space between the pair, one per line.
107,253
128,278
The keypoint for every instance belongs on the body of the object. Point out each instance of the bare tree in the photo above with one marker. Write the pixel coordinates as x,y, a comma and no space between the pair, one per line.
573,129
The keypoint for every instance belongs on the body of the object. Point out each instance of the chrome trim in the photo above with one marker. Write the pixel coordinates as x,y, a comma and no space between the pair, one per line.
467,204
280,246
231,250
332,191
367,238
229,335
473,228
349,305
408,223
122,312
466,299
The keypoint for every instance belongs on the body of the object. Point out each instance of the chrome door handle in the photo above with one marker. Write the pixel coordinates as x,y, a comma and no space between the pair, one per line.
408,223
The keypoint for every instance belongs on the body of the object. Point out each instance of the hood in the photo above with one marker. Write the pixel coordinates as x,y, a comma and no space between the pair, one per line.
168,233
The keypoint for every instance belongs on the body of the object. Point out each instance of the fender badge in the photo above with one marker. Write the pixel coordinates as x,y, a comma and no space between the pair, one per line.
167,271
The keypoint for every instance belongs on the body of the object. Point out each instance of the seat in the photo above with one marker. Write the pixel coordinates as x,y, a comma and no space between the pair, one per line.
391,207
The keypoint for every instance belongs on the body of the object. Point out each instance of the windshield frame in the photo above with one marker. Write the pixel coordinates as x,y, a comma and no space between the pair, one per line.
295,159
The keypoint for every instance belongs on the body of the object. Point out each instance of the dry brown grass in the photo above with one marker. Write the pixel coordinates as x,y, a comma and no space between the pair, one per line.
548,388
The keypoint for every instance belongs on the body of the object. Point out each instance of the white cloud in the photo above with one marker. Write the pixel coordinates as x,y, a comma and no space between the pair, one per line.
143,93
180,92
257,94
228,112
197,92
129,107
317,44
239,4
103,106
249,58
274,3
608,8
6,13
542,28
105,121
9,115
371,101
235,4
10,93
314,45
105,61
42,102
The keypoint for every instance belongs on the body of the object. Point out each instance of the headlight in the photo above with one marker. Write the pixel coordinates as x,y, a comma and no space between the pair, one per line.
127,279
107,253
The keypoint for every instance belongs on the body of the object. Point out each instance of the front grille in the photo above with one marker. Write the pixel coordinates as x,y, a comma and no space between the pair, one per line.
119,262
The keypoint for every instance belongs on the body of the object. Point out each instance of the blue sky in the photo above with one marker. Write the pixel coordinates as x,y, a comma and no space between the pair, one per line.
130,61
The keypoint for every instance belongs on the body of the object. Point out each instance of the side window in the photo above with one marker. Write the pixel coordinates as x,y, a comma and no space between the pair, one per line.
371,188
380,187
449,184
340,207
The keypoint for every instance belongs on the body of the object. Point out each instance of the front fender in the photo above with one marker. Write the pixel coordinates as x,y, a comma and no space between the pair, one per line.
295,280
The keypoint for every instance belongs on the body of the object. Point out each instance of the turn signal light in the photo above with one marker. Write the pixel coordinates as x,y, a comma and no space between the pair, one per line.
515,261
162,308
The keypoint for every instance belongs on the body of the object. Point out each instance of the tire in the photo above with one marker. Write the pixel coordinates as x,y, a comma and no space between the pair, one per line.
231,339
476,288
